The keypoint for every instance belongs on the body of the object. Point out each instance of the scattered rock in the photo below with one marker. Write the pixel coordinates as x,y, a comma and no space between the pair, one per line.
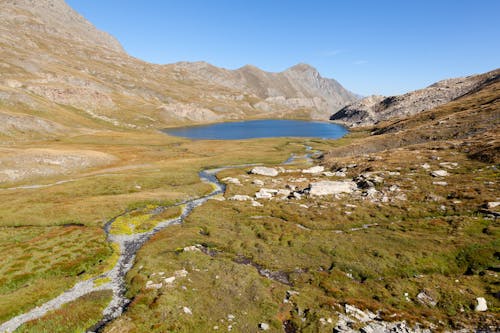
426,299
439,173
151,285
258,182
481,304
314,170
264,171
169,280
426,166
328,174
493,204
266,193
264,326
440,183
187,310
340,174
240,197
232,180
327,187
192,248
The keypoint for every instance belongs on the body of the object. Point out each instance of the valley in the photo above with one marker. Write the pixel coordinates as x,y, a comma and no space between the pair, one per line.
111,223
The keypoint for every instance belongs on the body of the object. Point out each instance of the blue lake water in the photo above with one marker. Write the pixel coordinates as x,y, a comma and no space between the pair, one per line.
260,129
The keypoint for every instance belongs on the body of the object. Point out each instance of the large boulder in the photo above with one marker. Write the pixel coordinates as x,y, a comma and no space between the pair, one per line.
327,187
264,171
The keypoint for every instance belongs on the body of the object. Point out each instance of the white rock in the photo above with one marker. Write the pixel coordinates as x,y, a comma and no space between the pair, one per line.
232,180
340,174
230,317
440,183
169,280
240,197
187,310
426,166
481,304
151,285
264,171
328,174
258,182
192,248
264,326
327,187
493,204
284,193
265,193
314,170
439,173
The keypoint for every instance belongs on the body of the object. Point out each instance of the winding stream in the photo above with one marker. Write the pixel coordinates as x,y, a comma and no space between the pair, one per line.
129,245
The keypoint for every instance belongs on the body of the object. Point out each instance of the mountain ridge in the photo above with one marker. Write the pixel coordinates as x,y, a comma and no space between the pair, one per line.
57,67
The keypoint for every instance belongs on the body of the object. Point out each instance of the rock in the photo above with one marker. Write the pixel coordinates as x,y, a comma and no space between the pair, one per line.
187,310
297,195
481,304
439,173
440,183
240,197
232,180
230,317
362,316
426,166
284,193
258,182
424,298
266,193
352,165
327,187
264,326
264,171
169,280
493,204
314,170
151,285
394,188
328,174
192,248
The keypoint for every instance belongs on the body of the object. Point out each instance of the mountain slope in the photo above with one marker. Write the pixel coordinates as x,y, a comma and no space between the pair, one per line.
374,109
58,68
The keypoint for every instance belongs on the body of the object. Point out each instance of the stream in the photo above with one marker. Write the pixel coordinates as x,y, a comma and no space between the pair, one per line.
129,245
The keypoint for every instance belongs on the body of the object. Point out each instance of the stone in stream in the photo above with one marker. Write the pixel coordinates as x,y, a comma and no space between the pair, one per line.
264,171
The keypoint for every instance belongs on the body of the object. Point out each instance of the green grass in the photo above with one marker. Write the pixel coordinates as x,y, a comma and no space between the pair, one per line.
74,317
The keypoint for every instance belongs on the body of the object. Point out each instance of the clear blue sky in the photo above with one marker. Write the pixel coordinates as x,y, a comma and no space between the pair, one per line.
370,47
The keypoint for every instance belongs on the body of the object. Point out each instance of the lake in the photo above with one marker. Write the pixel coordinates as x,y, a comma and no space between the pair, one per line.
269,128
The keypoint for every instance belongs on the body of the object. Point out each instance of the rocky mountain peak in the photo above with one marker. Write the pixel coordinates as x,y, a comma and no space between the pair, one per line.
302,67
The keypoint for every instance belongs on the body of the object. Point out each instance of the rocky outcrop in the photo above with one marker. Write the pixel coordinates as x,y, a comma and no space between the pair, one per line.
298,87
373,109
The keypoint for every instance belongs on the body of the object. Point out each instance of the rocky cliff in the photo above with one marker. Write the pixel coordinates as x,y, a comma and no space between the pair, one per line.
58,69
373,109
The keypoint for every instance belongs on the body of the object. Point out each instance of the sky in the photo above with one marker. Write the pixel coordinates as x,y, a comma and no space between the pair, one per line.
371,47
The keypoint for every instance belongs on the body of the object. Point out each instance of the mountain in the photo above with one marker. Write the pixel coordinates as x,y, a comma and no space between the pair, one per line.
373,109
471,121
298,87
59,73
